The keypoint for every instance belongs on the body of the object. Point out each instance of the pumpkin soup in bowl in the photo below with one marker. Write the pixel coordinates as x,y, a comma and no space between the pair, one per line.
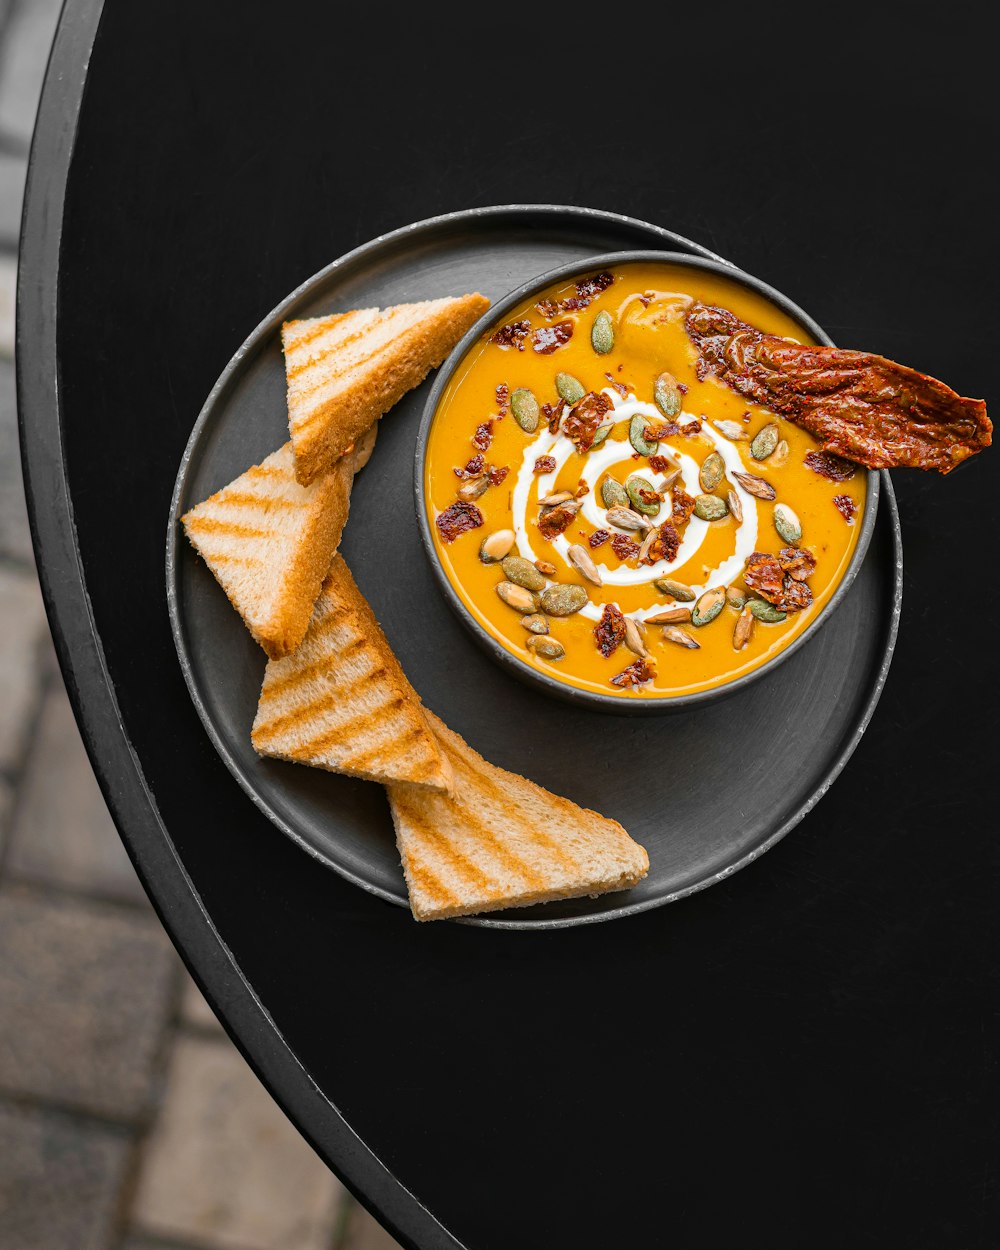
608,517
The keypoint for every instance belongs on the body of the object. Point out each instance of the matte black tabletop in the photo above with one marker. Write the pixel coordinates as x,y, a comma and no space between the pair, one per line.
803,1055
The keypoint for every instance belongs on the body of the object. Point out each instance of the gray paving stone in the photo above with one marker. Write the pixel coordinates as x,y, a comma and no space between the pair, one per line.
22,629
59,1181
224,1167
27,40
8,301
13,168
62,834
85,993
15,537
365,1233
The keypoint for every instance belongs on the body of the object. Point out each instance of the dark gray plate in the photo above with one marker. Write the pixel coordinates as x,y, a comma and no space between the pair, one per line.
742,773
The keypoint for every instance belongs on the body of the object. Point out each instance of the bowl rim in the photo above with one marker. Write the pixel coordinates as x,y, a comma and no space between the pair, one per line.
618,704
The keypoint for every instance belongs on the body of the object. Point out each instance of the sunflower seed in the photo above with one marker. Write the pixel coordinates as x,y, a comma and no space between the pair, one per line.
647,542
708,606
765,612
626,519
637,487
743,630
579,557
731,430
563,600
755,485
547,648
667,395
601,436
558,496
633,638
667,586
474,489
495,546
735,597
711,472
787,524
570,389
765,441
669,478
522,573
614,493
516,597
635,429
524,406
602,334
670,617
544,566
710,508
535,623
683,639
780,454
735,507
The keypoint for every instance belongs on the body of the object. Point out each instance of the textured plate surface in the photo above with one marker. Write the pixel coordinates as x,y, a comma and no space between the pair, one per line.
704,791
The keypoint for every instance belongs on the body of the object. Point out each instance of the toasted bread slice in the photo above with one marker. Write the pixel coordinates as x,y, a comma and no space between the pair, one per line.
346,370
269,541
501,841
341,701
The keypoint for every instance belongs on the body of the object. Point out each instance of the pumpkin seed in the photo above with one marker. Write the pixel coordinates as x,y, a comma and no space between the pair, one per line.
524,406
735,507
731,430
614,493
670,617
712,471
563,600
787,524
669,478
766,612
708,606
710,508
523,573
755,485
570,389
683,639
735,597
579,557
495,546
635,429
667,586
547,648
626,519
544,566
765,441
667,395
780,454
535,623
633,638
636,486
602,334
474,489
743,630
601,436
516,597
557,496
647,542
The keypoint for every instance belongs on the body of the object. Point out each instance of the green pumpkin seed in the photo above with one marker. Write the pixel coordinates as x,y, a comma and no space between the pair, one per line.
635,486
735,506
547,648
524,406
614,493
570,389
516,597
673,633
787,524
522,573
602,334
743,630
535,623
708,606
755,485
563,600
712,471
635,429
736,598
766,612
495,546
710,508
680,592
667,395
764,442
600,437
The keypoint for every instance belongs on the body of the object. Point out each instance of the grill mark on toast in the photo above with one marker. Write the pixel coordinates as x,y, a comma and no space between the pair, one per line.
245,499
511,862
457,862
219,557
339,733
293,371
213,525
279,685
428,883
310,710
304,337
396,744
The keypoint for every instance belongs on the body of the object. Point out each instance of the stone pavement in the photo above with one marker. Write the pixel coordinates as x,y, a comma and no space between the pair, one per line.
127,1119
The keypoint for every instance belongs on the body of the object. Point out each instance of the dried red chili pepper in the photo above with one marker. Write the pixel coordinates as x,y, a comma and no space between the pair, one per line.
598,538
474,468
503,400
545,464
665,545
829,466
799,565
610,630
458,519
583,420
691,428
555,520
546,339
483,436
497,473
657,433
681,508
764,575
623,546
511,335
846,506
635,674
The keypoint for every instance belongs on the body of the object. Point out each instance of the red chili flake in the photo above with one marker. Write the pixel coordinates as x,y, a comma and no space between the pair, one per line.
846,506
665,545
483,436
797,564
457,519
682,506
620,387
610,630
473,469
826,464
691,428
636,673
546,339
552,413
656,433
599,538
496,474
624,547
555,520
503,400
511,335
545,464
589,288
548,308
584,418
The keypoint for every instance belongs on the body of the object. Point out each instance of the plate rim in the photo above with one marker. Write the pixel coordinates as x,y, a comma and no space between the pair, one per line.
252,342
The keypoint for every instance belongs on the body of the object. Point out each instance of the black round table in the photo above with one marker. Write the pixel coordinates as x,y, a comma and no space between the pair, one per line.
804,1054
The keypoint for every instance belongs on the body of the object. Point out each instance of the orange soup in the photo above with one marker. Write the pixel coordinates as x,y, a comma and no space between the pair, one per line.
614,521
